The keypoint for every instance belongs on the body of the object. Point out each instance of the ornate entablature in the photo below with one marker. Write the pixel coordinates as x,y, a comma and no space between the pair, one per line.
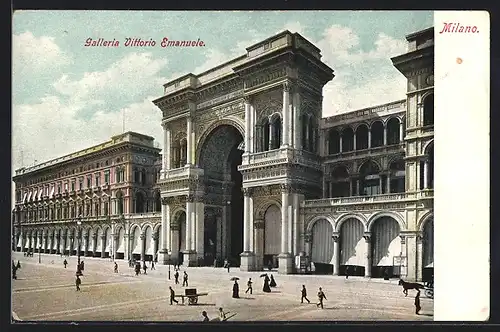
265,76
205,118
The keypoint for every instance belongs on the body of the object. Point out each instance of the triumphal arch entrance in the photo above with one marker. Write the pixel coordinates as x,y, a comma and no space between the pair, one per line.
240,154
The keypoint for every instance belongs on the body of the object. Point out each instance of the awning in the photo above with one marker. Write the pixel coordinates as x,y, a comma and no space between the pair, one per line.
52,191
24,197
372,177
29,195
40,194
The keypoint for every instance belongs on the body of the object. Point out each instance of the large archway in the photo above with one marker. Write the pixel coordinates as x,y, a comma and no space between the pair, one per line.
386,245
272,235
322,246
352,247
220,157
428,250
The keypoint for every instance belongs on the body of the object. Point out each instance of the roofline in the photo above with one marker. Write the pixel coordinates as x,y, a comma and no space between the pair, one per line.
413,35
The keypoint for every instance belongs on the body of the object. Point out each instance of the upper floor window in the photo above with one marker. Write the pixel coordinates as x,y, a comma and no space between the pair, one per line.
73,184
89,181
97,179
80,183
106,177
59,188
429,110
66,186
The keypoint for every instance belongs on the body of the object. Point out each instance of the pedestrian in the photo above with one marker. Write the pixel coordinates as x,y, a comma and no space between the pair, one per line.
176,276
14,270
266,287
347,272
144,267
273,282
386,273
78,282
153,265
222,315
116,268
249,286
205,317
172,296
321,297
18,266
78,270
304,295
185,279
82,265
227,265
236,290
417,303
215,262
65,263
137,269
269,265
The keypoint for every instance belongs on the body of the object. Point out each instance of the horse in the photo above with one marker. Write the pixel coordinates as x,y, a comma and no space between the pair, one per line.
410,285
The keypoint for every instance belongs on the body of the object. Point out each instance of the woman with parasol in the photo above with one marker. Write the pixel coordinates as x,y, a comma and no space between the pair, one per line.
236,288
266,287
273,282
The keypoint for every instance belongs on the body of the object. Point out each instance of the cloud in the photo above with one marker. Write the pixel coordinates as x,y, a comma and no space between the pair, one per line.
34,54
42,139
133,75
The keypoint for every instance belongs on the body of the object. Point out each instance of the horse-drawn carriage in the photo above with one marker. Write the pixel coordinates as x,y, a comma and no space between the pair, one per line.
191,295
429,289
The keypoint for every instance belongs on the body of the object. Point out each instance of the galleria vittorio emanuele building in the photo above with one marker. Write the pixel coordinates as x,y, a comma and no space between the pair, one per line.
251,172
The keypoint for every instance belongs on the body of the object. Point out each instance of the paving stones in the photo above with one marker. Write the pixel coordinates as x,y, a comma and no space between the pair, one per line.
47,292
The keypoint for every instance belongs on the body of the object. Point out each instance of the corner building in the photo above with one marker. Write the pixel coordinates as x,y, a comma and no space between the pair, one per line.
107,188
252,172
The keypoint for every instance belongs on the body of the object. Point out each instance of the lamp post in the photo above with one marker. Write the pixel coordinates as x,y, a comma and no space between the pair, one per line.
169,252
39,253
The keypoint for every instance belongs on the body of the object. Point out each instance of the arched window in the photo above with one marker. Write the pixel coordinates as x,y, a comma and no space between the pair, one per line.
119,202
393,131
429,110
264,135
362,137
157,202
370,180
396,179
333,141
139,202
276,126
427,169
377,134
340,182
304,132
347,139
183,152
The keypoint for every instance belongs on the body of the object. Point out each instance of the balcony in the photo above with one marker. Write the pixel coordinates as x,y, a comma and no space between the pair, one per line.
355,154
181,173
280,156
366,202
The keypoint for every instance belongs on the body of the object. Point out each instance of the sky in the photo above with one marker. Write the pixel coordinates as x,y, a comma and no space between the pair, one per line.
67,97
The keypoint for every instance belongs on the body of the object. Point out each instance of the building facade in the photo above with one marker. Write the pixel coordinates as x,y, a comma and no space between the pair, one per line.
108,189
251,172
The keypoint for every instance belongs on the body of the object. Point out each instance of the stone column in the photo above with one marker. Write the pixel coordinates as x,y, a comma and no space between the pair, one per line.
94,242
340,143
420,252
297,144
401,132
330,189
380,183
199,239
351,189
385,135
307,244
285,258
189,252
271,137
426,174
357,187
165,236
368,258
167,147
336,252
259,227
126,243
174,236
189,138
285,111
247,256
253,135
45,242
248,110
103,245
116,241
369,138
143,247
354,148
296,222
388,184
86,245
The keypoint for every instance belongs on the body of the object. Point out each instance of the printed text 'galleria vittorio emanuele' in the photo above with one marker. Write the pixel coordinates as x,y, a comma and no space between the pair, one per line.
251,172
